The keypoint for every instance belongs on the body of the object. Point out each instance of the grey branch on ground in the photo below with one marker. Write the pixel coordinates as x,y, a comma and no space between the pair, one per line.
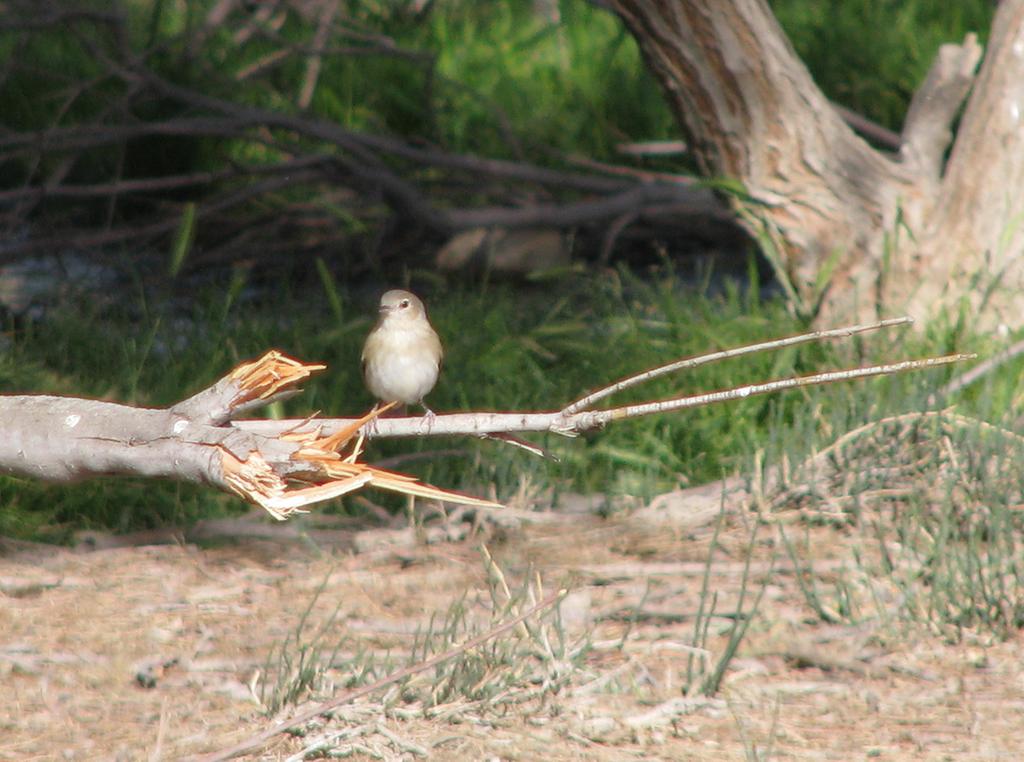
64,439
284,466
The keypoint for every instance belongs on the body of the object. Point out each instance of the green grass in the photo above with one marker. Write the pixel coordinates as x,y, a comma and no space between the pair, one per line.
941,550
530,663
701,677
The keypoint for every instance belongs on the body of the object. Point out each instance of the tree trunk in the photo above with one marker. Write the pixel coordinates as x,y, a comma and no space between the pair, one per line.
854,231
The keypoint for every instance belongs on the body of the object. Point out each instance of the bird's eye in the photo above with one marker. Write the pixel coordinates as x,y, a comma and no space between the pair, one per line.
403,304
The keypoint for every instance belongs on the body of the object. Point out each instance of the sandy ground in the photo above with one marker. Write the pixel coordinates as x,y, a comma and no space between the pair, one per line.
149,652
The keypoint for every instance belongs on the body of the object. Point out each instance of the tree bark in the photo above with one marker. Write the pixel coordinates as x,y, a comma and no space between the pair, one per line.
851,230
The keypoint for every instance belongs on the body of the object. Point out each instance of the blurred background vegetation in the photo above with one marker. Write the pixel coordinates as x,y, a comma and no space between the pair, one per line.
167,314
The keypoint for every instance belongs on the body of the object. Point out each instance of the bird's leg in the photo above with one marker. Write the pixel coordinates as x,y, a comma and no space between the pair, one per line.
428,417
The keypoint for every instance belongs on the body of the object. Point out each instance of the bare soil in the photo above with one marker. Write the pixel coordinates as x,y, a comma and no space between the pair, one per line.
156,651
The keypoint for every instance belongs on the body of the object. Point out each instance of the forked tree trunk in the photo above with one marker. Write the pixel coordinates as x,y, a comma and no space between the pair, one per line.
854,230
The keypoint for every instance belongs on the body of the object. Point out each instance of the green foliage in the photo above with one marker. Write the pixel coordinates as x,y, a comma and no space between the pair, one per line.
579,86
871,55
491,78
963,566
535,661
495,79
932,503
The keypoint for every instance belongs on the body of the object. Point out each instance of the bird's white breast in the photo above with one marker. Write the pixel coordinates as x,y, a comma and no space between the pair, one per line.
403,365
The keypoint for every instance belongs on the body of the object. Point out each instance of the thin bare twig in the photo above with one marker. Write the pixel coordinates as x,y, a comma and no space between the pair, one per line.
643,175
573,424
258,740
598,418
611,235
869,129
653,148
589,400
81,137
696,201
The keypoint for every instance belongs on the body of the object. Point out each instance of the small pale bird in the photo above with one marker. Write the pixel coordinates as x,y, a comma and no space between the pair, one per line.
402,355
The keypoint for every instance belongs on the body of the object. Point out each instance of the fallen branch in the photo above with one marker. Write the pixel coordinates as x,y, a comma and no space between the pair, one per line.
284,466
64,439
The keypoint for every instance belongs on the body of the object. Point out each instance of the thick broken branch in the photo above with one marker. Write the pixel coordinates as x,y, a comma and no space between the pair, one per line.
63,439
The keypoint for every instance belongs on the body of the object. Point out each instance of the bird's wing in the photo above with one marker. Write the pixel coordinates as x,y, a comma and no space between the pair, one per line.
440,349
371,340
